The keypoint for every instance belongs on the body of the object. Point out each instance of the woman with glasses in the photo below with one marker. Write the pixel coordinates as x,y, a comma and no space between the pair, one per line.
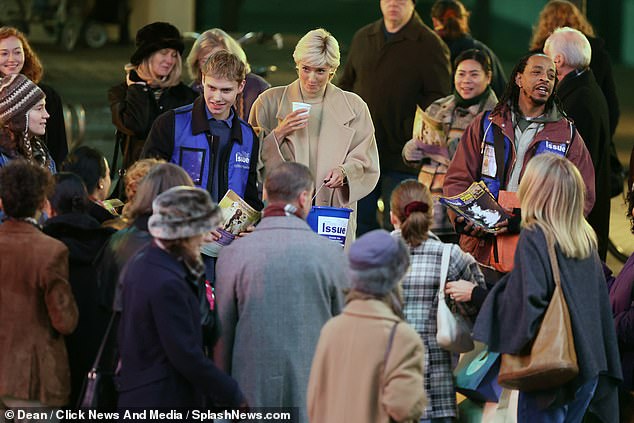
313,122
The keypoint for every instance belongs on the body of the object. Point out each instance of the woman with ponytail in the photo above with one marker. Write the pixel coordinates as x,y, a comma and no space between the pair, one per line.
411,214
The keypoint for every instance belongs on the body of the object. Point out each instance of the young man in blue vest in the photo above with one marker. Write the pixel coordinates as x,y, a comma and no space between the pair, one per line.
207,138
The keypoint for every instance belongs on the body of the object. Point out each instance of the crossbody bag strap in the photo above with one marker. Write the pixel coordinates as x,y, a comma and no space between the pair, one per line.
390,341
554,264
498,145
115,156
444,268
104,341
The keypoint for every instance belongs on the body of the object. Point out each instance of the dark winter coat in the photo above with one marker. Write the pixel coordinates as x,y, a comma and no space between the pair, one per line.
134,110
622,299
393,77
160,341
121,247
84,237
511,314
583,102
601,66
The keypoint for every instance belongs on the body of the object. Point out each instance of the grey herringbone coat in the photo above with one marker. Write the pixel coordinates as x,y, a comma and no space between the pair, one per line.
275,289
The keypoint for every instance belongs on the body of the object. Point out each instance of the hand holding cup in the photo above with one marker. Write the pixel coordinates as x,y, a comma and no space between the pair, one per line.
295,120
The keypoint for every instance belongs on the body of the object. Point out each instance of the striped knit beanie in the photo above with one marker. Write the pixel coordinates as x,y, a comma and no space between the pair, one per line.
18,95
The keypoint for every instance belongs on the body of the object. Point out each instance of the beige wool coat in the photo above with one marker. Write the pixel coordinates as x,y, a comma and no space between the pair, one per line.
348,380
346,138
37,308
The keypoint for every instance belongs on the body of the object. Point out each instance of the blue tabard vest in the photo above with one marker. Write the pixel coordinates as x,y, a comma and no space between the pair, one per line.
488,153
194,154
4,160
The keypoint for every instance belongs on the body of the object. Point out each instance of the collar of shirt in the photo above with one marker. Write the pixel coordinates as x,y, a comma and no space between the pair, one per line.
228,121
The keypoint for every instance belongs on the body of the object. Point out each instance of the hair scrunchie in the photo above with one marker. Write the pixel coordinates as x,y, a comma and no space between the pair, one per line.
449,14
415,206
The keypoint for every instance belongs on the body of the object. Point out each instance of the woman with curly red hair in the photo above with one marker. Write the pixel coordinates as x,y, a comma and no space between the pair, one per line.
17,56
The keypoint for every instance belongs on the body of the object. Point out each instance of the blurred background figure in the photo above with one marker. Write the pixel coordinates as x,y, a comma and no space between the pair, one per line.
560,13
92,167
370,349
622,300
84,237
451,21
395,64
330,130
18,57
23,118
132,178
152,86
208,43
124,244
433,147
36,301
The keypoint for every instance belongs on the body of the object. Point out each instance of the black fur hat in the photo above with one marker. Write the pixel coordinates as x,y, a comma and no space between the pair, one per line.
154,37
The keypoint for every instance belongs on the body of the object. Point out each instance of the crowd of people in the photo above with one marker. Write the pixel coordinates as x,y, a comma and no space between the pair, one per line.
282,317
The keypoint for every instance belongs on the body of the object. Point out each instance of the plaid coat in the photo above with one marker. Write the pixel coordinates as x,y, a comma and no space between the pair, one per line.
420,289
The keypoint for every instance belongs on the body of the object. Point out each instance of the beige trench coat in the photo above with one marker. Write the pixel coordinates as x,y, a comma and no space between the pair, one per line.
346,139
348,381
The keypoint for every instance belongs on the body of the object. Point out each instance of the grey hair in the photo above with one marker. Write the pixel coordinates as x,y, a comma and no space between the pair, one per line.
286,181
572,45
318,48
388,275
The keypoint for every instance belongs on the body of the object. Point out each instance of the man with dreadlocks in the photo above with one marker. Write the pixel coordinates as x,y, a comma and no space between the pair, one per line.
497,145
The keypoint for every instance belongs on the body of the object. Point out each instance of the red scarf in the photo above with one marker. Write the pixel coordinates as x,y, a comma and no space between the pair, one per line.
281,209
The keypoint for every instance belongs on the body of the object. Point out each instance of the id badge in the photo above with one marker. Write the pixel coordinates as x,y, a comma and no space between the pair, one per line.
489,165
193,161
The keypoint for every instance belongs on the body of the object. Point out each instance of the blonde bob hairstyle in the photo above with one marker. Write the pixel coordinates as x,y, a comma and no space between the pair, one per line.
318,48
214,38
555,14
145,72
552,195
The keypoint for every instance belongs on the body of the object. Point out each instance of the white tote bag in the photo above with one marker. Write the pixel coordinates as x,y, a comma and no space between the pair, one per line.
453,333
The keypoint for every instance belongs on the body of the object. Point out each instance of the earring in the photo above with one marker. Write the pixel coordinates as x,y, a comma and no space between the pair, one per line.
100,186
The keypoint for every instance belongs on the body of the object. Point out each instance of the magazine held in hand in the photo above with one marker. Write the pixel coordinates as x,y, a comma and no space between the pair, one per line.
237,217
477,204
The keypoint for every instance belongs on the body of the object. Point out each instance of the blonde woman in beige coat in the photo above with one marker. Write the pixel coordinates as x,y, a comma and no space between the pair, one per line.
368,365
313,122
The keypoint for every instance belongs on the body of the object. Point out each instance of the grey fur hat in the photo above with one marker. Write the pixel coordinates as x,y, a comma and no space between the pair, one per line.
378,261
183,212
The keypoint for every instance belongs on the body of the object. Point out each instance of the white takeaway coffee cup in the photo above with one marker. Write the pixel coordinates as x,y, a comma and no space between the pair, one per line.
299,105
